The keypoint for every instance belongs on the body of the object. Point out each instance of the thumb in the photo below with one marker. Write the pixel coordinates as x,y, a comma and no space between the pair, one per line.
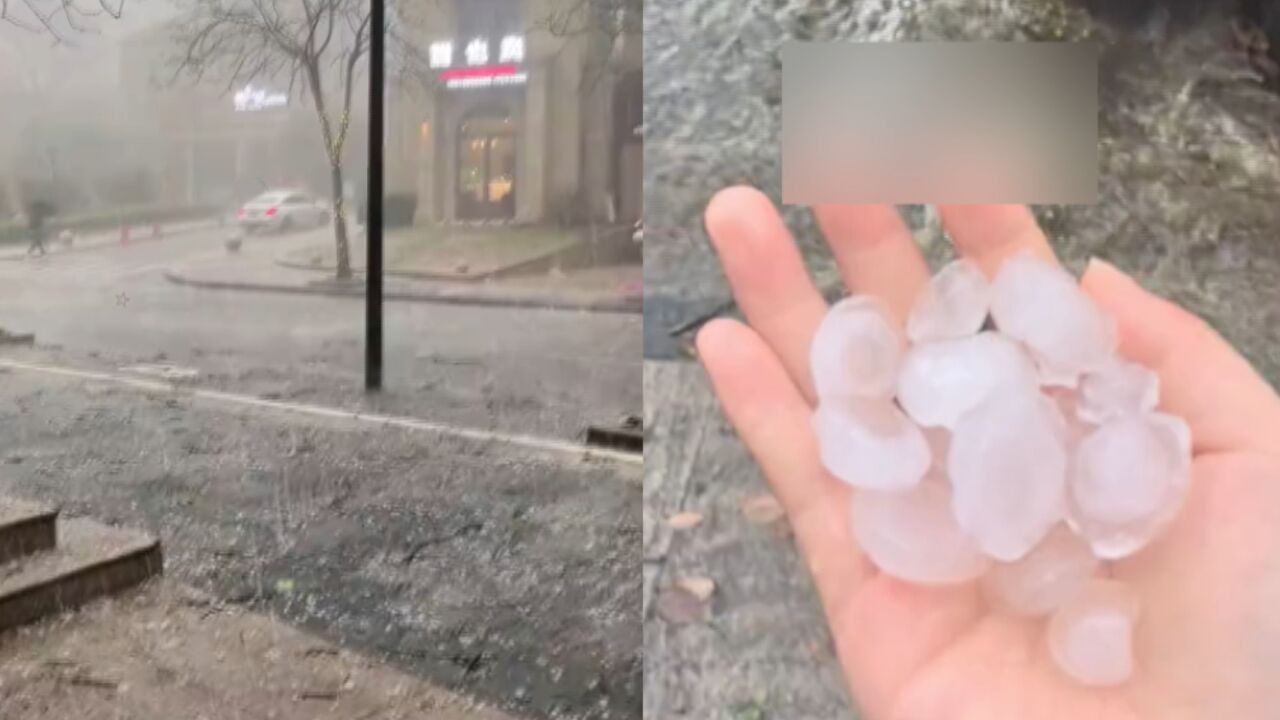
1227,404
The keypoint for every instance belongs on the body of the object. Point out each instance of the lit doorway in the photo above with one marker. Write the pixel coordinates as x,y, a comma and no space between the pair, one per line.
487,168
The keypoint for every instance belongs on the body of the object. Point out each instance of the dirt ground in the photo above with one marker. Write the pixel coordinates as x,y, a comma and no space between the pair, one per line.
166,651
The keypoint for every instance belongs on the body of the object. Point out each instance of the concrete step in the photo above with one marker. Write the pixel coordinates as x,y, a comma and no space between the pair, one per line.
92,560
25,528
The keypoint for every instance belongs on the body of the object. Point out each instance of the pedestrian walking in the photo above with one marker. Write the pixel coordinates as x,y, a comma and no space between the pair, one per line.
36,216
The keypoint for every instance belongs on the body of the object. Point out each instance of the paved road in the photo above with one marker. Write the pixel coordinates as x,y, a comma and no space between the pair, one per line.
544,372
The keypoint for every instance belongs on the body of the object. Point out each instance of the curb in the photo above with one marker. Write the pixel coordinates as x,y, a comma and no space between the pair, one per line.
442,276
148,238
625,305
515,268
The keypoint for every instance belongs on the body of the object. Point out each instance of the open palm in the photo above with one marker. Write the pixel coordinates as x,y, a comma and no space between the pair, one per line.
1207,643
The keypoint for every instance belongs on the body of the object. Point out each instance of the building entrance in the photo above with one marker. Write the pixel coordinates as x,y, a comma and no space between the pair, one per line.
487,168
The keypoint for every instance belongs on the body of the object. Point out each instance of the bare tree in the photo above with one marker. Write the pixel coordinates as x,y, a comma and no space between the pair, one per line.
303,41
56,17
610,17
602,22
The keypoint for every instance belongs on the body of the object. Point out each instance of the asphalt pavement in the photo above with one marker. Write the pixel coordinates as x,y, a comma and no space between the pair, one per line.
538,371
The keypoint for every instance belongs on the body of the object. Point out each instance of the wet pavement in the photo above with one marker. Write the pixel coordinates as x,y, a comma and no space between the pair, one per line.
547,372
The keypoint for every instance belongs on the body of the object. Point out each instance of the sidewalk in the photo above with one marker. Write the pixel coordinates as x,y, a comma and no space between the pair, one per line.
137,234
615,289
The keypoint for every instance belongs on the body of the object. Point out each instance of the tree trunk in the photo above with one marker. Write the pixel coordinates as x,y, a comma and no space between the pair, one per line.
333,149
340,223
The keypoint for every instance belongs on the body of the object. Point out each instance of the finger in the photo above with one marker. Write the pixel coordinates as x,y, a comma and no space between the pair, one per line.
990,233
773,420
876,253
768,276
1202,378
884,629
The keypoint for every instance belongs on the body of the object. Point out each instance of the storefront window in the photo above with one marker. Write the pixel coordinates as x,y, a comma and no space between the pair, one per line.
486,168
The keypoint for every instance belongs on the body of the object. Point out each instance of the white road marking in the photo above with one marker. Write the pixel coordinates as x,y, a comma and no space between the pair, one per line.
533,442
168,372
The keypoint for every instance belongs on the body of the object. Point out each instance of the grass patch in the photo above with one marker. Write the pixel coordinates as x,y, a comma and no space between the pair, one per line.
444,250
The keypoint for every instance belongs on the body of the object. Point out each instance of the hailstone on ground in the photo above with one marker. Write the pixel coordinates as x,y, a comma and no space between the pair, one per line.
1025,457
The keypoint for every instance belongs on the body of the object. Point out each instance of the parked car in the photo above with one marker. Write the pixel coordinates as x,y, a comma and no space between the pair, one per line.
282,210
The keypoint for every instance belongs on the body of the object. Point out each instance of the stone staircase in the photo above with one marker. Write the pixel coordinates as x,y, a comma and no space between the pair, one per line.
50,564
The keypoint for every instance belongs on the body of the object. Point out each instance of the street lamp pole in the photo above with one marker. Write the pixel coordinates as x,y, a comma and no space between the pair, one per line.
373,202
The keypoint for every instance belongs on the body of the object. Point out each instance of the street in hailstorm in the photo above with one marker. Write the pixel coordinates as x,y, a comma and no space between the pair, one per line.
442,554
520,369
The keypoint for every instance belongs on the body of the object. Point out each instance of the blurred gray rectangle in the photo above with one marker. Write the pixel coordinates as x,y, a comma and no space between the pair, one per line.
899,123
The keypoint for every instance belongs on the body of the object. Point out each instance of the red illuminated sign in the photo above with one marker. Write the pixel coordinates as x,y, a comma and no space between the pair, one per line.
475,73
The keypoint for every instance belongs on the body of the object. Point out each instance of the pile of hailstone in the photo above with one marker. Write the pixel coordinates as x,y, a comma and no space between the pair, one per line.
1026,456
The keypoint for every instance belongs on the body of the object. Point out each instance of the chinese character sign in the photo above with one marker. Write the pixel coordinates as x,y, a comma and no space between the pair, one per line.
512,49
441,54
478,52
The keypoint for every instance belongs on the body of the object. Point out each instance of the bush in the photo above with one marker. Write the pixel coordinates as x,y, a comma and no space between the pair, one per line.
16,232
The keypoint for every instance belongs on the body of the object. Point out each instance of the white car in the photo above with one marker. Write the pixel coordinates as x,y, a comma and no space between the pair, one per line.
282,210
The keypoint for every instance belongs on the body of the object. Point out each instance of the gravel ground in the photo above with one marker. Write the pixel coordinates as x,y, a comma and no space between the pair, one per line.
1190,191
511,578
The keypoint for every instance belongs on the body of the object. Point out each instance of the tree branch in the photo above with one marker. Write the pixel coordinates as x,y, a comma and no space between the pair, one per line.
57,18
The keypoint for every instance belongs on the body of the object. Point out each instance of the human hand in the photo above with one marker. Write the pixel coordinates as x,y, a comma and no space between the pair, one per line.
1207,645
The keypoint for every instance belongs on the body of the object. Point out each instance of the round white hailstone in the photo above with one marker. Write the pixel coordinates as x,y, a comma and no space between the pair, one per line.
1042,306
1129,480
1124,470
1091,636
856,351
913,536
942,380
870,444
1046,578
953,304
1118,388
1008,466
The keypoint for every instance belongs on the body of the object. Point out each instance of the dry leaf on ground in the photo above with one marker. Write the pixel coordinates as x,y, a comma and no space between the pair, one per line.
700,587
684,520
762,509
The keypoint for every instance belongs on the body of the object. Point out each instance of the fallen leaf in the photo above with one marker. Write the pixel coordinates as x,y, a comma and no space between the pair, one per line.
681,607
684,521
699,587
762,509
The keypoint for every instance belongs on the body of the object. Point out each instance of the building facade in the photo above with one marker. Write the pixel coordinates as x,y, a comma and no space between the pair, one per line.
500,120
517,123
